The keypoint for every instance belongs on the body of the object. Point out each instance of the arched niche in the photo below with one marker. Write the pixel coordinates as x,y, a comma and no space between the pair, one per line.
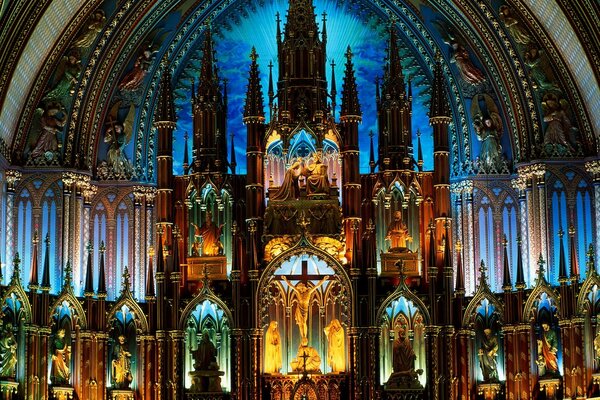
207,313
588,306
67,319
15,315
330,299
542,308
402,310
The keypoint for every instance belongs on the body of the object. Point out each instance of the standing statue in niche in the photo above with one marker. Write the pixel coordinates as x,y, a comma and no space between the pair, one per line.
205,355
547,346
487,356
273,361
488,127
336,350
317,180
121,364
210,234
60,373
397,233
289,189
304,295
8,352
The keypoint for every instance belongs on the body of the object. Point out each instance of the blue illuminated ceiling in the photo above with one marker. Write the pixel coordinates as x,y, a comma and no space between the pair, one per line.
365,32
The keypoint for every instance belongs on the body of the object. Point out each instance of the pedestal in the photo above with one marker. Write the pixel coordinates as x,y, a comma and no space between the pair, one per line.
206,381
550,387
215,266
61,393
404,386
122,394
488,391
390,269
8,389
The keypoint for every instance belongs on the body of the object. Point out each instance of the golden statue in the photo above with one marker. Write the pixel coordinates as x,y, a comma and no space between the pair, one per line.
307,359
304,295
61,359
317,180
397,232
8,351
597,348
211,236
289,189
336,348
121,364
273,362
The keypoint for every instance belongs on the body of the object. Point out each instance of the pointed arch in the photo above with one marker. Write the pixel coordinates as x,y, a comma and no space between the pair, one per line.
78,315
204,294
469,315
139,316
541,287
19,294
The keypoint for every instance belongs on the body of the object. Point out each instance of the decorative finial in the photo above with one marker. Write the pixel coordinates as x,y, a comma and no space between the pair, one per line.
253,54
90,246
572,230
151,251
561,233
102,247
541,269
303,222
349,53
370,226
68,275
590,256
458,246
504,241
16,268
126,277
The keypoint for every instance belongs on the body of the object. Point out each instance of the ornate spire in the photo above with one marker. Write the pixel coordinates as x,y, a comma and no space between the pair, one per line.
541,270
271,93
301,21
372,153
333,89
520,281
419,151
573,255
562,261
125,285
506,281
460,273
395,73
88,291
439,99
160,258
33,279
591,269
483,275
101,273
176,236
186,157
208,84
150,292
46,268
16,276
350,104
68,276
254,109
324,34
233,162
165,111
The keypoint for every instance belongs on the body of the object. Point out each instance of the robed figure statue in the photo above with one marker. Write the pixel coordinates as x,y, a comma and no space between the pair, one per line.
487,356
211,236
336,350
403,354
121,364
8,352
205,355
547,359
60,373
273,361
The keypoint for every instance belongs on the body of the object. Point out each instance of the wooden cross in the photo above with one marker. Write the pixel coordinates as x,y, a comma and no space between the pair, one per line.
304,276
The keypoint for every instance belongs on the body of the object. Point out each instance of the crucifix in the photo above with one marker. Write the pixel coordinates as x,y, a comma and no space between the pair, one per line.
304,295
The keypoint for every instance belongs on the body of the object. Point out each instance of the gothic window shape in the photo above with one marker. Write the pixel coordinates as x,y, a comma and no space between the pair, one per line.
560,221
122,243
24,230
123,354
308,299
98,236
402,315
486,250
510,229
50,227
206,314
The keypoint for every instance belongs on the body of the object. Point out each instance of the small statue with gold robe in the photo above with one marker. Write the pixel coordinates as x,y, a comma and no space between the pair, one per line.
60,373
273,361
397,233
336,349
8,352
121,364
211,236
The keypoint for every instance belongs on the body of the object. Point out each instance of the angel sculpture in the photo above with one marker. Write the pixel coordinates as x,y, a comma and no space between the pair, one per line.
88,35
488,126
519,34
49,121
66,77
559,126
460,55
533,59
134,78
118,136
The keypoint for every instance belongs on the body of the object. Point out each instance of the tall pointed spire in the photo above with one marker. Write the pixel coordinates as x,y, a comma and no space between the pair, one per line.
232,162
350,104
333,91
324,34
506,281
208,82
573,255
165,111
46,268
460,272
33,279
271,93
16,276
562,261
88,290
396,75
520,280
150,291
186,157
419,151
439,99
176,261
102,273
68,276
372,153
254,107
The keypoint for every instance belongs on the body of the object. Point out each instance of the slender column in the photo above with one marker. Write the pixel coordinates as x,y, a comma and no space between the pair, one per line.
539,172
456,191
520,185
12,178
468,244
67,223
354,384
256,338
464,372
76,236
593,167
431,345
139,196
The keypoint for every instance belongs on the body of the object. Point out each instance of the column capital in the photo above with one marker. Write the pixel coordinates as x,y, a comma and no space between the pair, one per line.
460,187
593,167
12,178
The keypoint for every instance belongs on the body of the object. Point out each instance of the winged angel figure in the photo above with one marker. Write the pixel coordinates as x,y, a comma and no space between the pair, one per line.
488,126
117,135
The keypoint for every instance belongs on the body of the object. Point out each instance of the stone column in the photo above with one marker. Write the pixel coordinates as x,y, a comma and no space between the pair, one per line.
139,197
67,224
431,344
465,371
469,264
593,167
520,185
539,178
12,178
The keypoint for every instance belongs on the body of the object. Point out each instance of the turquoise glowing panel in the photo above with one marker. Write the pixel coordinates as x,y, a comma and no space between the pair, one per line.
368,40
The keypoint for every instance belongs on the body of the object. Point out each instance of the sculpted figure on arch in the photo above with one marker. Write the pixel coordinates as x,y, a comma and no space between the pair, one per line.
304,295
